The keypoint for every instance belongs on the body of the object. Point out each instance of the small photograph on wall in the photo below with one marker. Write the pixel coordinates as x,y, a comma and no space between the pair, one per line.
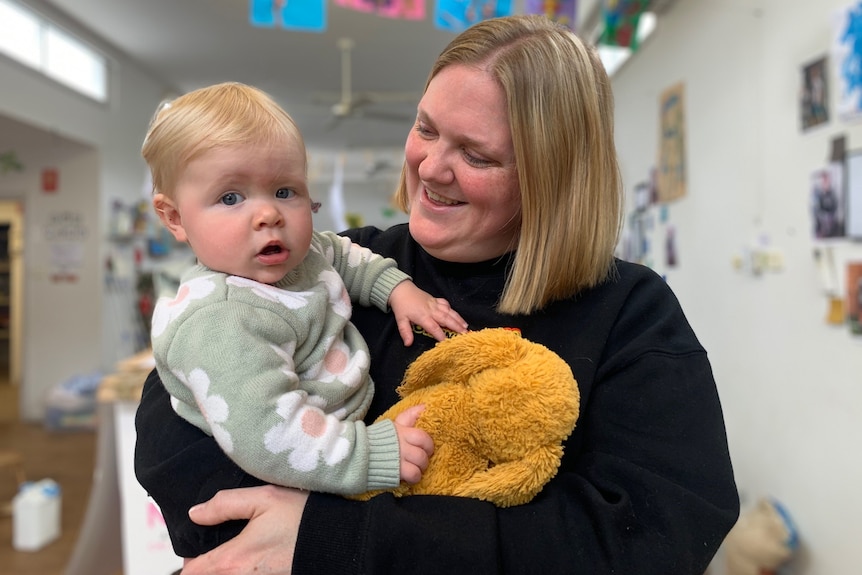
854,297
854,195
670,247
814,97
671,176
847,58
827,202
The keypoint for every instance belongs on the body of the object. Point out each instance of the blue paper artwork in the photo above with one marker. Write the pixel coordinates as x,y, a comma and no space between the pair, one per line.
458,15
847,46
305,16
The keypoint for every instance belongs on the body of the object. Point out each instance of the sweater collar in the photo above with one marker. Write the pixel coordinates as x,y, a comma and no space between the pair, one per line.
497,266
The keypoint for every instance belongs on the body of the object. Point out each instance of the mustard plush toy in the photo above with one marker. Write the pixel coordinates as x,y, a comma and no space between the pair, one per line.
498,408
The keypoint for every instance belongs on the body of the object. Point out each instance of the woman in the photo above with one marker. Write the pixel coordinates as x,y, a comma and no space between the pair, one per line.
514,200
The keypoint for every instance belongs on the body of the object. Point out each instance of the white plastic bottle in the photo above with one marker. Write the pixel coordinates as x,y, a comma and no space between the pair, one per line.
36,515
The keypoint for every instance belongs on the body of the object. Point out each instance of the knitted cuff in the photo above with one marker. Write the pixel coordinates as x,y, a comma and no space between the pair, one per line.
384,461
384,285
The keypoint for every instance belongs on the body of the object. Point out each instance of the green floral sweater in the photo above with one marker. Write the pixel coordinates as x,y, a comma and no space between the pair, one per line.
277,374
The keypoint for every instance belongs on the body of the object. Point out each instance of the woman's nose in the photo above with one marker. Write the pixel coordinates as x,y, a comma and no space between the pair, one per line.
435,166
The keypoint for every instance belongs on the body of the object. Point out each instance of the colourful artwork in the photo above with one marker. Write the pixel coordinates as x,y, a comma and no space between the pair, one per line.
847,46
458,15
307,16
403,9
671,176
621,18
854,297
564,12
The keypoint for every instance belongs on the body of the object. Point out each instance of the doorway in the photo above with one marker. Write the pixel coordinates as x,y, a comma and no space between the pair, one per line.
11,301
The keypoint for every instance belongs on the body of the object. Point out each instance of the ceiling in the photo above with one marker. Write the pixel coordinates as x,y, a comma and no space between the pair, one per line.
193,43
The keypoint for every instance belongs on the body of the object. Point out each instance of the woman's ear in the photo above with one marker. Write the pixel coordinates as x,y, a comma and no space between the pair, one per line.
167,210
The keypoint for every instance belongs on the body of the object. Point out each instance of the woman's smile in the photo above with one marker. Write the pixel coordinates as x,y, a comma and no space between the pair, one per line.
438,199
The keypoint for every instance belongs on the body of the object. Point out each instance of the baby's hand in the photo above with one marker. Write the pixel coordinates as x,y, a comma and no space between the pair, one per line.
412,305
414,444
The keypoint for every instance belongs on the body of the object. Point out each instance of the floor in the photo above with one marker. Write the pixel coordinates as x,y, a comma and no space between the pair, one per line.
66,457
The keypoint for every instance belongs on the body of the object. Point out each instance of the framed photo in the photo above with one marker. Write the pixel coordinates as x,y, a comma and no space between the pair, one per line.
814,95
827,200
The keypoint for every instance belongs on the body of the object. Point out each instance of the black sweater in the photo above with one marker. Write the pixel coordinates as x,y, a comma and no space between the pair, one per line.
645,486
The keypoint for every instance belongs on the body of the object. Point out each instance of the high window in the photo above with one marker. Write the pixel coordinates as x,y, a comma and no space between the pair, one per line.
35,42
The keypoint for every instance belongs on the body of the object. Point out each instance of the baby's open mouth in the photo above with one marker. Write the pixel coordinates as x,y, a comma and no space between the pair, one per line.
269,250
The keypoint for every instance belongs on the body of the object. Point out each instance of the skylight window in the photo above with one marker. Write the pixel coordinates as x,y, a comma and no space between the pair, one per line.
37,43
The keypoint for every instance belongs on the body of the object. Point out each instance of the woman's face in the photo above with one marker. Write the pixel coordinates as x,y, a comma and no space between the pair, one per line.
462,184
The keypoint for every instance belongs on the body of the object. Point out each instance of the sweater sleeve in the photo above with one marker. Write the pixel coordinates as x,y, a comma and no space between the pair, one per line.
272,425
369,277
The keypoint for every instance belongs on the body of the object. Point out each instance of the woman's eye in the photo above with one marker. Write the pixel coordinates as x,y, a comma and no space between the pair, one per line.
475,160
231,199
422,129
284,193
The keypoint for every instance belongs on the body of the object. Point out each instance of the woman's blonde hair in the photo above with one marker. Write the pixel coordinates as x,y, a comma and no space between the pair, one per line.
560,109
221,115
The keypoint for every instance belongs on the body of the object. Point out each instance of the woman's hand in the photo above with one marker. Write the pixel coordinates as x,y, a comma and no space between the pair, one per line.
267,543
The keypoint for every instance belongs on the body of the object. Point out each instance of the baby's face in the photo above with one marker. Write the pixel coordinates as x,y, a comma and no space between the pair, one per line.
245,210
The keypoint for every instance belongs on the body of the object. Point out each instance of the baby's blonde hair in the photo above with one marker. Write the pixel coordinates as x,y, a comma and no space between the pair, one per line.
221,115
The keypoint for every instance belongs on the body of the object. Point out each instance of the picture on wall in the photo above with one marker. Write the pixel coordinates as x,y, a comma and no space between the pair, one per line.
814,95
854,195
854,297
827,202
671,176
847,56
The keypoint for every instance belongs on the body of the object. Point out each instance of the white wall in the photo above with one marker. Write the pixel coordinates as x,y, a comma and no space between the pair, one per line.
791,385
71,329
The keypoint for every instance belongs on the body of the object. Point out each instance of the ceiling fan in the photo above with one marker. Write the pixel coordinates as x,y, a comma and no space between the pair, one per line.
351,104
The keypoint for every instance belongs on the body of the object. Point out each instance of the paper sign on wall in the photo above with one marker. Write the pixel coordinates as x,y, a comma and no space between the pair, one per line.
672,168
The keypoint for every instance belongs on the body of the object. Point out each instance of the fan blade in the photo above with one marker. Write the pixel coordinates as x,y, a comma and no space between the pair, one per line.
346,45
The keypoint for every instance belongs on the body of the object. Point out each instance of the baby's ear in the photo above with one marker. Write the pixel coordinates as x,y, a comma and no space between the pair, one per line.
168,213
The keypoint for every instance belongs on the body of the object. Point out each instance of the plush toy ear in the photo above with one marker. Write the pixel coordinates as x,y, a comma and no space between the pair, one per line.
455,360
514,482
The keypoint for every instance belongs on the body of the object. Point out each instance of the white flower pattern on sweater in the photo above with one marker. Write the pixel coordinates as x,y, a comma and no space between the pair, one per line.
213,407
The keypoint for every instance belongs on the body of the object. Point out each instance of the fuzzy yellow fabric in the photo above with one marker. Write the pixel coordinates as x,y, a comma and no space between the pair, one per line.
498,408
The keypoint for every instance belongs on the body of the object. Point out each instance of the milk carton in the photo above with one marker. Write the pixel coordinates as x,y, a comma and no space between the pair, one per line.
36,515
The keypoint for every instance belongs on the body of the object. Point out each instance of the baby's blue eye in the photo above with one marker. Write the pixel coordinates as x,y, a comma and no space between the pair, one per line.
231,199
284,193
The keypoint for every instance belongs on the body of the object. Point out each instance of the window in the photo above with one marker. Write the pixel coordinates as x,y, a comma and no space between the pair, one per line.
37,43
